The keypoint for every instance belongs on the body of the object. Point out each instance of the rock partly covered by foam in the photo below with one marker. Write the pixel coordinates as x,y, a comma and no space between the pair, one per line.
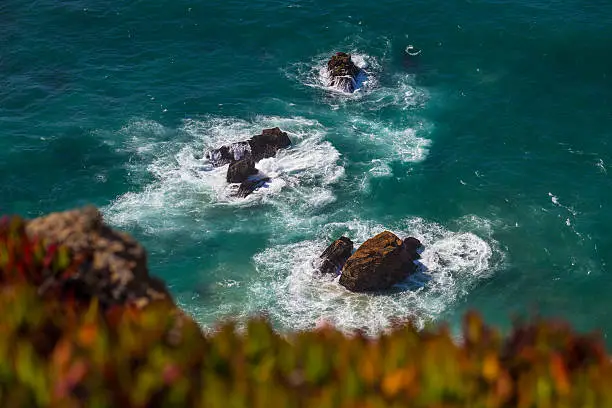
261,146
342,72
381,262
240,170
228,154
268,143
242,157
334,257
113,265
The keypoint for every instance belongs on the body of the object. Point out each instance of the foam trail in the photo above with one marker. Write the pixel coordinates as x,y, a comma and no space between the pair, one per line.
388,144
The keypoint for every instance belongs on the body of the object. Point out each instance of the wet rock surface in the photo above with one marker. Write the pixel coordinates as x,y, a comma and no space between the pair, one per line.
342,72
242,157
228,154
335,256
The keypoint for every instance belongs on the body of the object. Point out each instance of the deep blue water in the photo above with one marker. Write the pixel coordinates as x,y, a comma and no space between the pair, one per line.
492,147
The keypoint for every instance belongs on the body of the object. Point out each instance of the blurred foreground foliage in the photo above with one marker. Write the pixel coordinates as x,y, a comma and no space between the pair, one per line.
62,351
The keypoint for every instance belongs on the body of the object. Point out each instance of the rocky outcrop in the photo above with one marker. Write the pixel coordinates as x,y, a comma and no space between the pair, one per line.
342,72
228,154
242,157
261,146
112,264
240,170
268,143
335,256
381,262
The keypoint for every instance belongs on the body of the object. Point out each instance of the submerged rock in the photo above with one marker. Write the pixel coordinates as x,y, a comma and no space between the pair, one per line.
113,267
240,170
335,256
381,262
342,72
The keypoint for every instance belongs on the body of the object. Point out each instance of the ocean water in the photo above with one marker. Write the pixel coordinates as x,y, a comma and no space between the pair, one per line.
492,146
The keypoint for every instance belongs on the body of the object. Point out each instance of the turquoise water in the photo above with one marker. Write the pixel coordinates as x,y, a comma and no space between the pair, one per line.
492,147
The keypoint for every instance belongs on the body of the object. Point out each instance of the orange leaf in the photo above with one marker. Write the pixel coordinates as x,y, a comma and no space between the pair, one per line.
87,334
559,373
396,380
490,367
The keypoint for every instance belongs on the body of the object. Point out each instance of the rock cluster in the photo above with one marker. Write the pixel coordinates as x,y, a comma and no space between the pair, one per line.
342,72
113,265
242,156
378,264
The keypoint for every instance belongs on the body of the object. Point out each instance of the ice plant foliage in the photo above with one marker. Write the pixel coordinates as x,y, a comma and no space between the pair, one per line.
55,351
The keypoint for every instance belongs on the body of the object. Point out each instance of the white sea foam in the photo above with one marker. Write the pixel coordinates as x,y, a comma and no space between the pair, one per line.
292,292
380,168
314,74
365,79
391,144
555,201
401,93
184,184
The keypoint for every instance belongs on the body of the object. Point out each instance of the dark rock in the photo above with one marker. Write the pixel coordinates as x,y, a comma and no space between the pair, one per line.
335,256
381,262
228,154
268,143
412,246
240,170
262,146
113,265
342,72
242,157
250,185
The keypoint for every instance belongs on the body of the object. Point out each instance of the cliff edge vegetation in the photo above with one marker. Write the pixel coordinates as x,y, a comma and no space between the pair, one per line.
84,325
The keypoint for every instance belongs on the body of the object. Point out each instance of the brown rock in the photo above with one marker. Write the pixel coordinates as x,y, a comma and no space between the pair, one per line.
240,170
342,72
381,262
335,256
114,267
268,143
